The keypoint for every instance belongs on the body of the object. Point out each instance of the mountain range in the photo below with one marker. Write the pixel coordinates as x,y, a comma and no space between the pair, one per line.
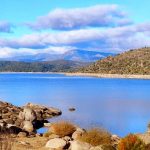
73,55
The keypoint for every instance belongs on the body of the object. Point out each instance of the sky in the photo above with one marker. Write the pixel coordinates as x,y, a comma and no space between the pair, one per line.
30,27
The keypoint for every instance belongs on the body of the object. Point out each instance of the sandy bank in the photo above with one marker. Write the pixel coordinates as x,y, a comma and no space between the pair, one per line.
109,75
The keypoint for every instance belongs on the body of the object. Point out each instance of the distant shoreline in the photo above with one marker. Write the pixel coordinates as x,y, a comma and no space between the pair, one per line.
125,76
98,75
32,72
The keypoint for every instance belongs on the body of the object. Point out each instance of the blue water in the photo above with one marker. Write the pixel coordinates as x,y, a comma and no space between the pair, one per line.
121,106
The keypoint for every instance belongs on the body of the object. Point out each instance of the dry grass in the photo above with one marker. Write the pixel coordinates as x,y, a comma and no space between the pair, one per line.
131,142
9,142
63,128
96,137
35,143
6,142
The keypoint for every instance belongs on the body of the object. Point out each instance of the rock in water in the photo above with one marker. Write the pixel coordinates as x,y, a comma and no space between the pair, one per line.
28,114
37,114
28,126
72,109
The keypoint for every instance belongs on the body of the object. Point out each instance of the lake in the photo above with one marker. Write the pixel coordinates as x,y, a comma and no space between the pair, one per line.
121,106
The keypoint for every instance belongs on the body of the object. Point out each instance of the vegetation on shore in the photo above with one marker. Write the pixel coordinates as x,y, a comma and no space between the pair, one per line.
49,66
72,138
131,62
96,137
60,135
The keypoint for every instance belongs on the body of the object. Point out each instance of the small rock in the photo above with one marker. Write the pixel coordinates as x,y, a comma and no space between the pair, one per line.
77,145
72,109
22,134
24,143
9,121
38,135
47,124
56,143
79,132
115,140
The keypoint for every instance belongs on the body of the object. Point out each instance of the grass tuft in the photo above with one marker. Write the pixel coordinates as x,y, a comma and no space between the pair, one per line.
63,128
96,137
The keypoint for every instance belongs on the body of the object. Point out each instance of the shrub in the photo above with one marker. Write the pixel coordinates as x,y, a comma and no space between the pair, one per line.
63,128
96,137
131,142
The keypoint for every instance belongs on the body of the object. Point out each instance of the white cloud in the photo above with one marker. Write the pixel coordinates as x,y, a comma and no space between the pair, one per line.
110,39
7,52
95,16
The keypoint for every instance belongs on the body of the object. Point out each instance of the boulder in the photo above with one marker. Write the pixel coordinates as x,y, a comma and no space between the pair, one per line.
56,143
28,114
47,125
45,112
22,134
36,114
77,133
28,126
115,140
77,145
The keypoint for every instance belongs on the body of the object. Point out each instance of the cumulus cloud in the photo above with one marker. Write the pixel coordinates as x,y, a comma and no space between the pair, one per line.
110,39
95,16
8,52
5,27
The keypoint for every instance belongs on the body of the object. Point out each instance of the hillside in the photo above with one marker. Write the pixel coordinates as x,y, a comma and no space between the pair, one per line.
85,56
130,62
49,66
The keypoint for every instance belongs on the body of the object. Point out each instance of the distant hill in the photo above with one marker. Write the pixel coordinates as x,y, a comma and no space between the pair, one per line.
73,55
85,56
131,62
49,66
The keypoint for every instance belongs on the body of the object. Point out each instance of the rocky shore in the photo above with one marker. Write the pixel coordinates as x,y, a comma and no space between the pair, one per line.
13,121
18,131
128,76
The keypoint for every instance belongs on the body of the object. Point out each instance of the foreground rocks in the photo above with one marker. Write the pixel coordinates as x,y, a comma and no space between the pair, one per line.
56,143
28,118
18,131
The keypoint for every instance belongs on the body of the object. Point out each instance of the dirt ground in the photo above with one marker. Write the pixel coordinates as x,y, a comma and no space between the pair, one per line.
35,143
